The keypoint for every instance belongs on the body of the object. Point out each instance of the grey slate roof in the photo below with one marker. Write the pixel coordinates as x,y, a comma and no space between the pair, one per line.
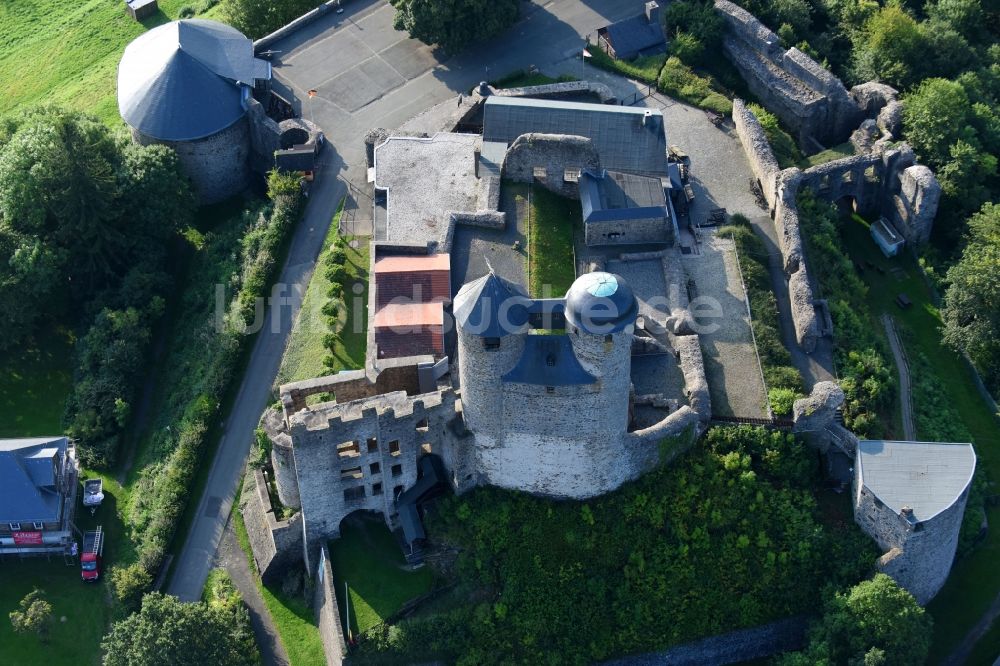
928,477
626,138
548,360
615,195
28,481
185,80
636,36
491,307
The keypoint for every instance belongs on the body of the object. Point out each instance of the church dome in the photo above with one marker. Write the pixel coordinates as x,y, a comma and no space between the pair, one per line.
600,303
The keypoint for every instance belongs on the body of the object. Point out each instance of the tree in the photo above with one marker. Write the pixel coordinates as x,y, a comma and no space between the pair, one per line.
256,18
34,616
971,309
935,116
168,632
454,24
889,48
875,622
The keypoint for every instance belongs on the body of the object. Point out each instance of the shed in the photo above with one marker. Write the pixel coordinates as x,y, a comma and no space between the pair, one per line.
141,9
639,35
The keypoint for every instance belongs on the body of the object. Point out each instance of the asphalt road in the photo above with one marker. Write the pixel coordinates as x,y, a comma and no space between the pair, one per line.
368,75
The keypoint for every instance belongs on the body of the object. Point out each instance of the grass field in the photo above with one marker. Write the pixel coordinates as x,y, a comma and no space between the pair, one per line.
369,559
292,618
975,580
551,263
68,53
34,384
305,351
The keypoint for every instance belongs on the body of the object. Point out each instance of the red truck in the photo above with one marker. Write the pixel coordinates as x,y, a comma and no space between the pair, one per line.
90,556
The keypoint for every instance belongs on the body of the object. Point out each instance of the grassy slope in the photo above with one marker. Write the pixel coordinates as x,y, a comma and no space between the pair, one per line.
292,618
68,53
551,266
34,384
974,581
838,152
367,556
304,353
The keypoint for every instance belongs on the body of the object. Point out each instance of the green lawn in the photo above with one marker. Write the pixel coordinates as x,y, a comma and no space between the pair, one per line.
34,384
369,559
68,53
292,618
551,264
840,151
73,642
975,580
304,354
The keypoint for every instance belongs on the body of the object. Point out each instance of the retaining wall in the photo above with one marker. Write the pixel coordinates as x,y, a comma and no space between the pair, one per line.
331,631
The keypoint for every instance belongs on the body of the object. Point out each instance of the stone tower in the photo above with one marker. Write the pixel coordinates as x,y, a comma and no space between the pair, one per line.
548,407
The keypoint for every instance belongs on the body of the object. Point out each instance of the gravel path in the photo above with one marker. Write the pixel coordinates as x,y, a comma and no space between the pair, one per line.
909,431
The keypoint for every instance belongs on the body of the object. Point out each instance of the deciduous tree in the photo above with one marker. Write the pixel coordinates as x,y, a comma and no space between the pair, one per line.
454,24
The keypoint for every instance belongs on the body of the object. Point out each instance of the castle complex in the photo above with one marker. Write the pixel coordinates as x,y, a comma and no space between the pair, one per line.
493,386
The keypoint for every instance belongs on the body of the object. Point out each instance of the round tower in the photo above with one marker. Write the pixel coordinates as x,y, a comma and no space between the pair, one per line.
491,319
601,310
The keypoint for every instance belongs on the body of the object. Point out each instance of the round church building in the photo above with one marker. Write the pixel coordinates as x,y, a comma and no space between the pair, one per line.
186,84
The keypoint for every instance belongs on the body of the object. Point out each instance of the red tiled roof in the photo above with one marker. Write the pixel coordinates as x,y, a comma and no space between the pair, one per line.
408,263
403,315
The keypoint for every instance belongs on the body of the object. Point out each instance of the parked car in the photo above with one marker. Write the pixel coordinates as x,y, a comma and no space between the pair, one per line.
90,556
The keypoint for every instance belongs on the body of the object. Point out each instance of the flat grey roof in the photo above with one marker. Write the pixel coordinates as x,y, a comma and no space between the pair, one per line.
926,476
627,138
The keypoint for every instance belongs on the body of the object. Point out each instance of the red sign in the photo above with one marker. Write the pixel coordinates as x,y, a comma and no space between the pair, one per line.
27,538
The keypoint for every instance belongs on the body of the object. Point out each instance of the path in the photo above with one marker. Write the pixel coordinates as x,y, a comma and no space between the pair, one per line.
232,558
909,431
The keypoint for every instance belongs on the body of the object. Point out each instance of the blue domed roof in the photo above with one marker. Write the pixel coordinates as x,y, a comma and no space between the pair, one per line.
601,303
184,80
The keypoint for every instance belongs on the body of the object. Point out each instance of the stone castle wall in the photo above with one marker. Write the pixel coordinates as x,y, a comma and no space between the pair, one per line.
276,544
807,98
217,165
555,153
327,612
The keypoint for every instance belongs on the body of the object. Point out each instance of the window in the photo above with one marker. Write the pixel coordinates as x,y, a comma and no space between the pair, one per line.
394,447
14,527
372,445
397,470
375,468
539,172
571,175
608,339
550,390
348,450
354,494
491,344
376,489
351,473
38,526
422,424
426,447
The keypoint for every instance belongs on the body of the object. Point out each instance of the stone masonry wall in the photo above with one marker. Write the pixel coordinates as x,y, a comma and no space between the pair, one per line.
758,149
807,98
217,165
327,613
553,152
276,544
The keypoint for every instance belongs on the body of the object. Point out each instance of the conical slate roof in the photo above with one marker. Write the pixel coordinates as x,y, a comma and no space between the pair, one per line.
181,81
491,307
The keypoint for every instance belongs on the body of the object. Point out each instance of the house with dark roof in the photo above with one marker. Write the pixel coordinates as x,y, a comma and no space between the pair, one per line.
640,35
625,208
38,480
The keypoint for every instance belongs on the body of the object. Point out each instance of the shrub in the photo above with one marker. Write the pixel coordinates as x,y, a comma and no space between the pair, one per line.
185,12
128,584
687,47
786,151
781,400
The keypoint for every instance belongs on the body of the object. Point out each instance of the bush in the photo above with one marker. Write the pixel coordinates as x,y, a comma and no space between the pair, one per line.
786,151
781,400
687,47
128,584
185,12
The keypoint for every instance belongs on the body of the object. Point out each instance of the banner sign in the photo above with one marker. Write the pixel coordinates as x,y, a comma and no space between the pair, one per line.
27,538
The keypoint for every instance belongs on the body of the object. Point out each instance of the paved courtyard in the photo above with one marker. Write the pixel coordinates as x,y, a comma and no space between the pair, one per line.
731,365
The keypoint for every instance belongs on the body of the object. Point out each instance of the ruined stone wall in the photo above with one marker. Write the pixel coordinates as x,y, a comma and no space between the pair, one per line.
918,555
276,544
807,98
916,204
553,152
327,612
217,165
399,374
758,149
564,90
361,455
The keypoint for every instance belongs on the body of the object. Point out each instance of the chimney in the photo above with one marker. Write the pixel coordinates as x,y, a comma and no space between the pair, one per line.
652,12
646,116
